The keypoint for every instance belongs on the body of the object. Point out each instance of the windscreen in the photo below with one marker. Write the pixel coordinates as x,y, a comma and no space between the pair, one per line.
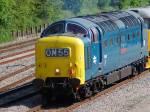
56,28
75,29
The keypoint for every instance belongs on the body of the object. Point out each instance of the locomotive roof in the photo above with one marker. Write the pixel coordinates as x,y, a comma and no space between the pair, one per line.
110,21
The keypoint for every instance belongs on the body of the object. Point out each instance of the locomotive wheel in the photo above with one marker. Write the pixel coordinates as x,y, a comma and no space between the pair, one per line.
88,92
96,87
140,68
101,84
45,98
134,71
75,96
85,92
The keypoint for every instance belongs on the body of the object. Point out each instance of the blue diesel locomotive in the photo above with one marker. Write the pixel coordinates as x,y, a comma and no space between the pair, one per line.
81,55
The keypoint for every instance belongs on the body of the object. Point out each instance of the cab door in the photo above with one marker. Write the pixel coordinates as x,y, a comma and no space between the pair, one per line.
96,50
93,54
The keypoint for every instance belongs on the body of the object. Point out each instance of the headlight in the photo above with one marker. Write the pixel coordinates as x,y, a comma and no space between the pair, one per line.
57,71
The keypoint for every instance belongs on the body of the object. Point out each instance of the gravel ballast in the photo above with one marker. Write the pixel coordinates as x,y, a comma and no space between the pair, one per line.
132,97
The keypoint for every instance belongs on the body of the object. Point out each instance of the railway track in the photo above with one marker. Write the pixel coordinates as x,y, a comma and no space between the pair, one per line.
11,57
17,53
15,84
17,46
17,94
12,93
23,55
107,90
16,72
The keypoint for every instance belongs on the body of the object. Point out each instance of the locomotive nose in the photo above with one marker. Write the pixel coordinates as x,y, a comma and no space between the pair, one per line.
60,56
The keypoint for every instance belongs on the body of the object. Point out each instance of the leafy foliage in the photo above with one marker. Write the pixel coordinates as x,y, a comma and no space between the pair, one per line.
72,5
89,7
21,14
6,13
124,4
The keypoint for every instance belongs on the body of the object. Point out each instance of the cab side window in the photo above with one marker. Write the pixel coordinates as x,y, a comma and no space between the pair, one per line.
94,35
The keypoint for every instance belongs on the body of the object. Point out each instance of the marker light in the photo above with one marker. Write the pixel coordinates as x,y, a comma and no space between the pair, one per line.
71,72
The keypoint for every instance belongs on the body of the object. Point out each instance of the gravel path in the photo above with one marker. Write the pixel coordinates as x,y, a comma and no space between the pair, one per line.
132,97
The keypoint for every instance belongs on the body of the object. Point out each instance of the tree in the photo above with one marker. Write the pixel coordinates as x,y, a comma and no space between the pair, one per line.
48,10
115,3
6,19
72,5
89,7
23,14
108,5
124,4
102,4
138,3
6,13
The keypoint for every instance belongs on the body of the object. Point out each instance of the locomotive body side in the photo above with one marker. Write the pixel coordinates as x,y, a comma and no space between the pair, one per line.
122,45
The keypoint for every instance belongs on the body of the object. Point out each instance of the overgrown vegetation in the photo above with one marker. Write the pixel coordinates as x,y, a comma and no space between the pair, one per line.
21,14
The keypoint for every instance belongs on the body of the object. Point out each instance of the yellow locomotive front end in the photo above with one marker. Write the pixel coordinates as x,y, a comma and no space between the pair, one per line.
59,63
